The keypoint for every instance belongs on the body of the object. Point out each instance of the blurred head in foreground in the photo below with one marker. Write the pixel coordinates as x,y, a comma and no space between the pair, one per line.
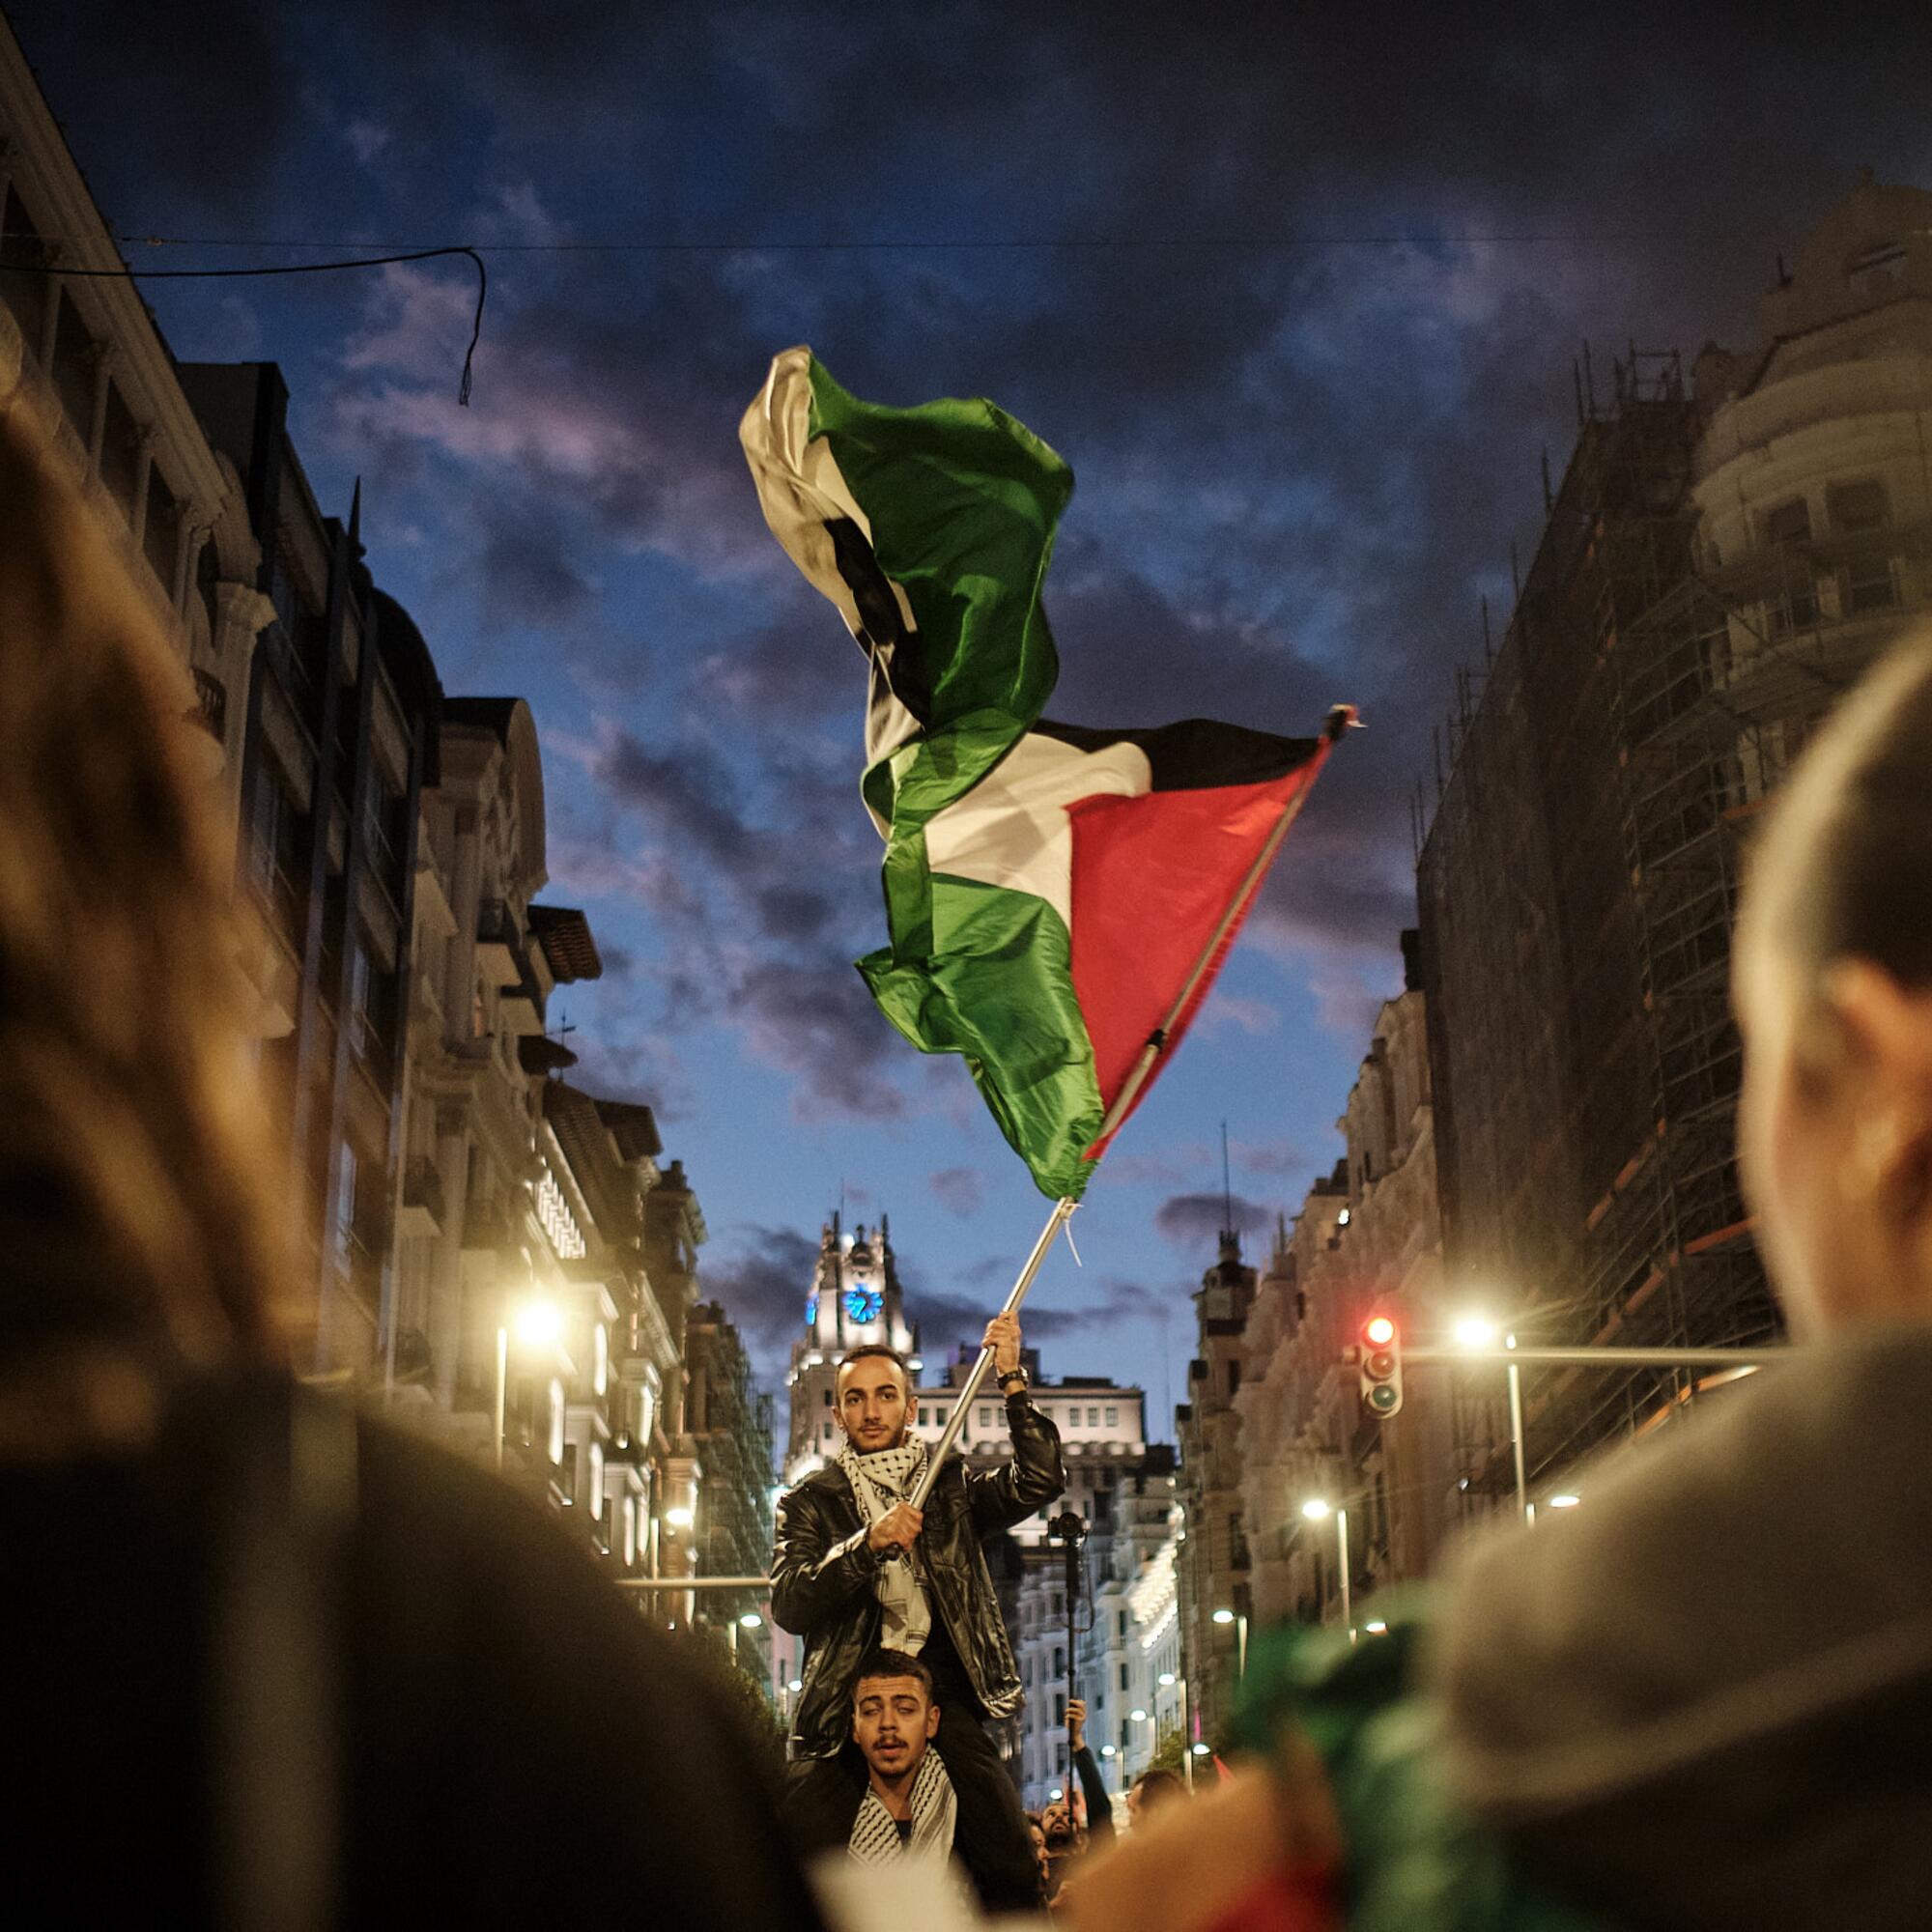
1833,975
137,1217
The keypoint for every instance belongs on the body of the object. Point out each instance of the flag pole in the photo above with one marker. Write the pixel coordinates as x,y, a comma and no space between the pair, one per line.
1339,720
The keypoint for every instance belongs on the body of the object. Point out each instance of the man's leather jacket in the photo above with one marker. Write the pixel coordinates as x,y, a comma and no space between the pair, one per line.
823,1575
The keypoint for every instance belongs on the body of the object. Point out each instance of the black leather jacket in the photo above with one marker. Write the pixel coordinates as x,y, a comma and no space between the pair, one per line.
823,1576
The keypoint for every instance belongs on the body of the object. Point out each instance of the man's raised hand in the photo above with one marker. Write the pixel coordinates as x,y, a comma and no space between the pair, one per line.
1076,1722
899,1528
1003,1337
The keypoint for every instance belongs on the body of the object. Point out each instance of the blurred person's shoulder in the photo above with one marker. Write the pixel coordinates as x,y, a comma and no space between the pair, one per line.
1727,1642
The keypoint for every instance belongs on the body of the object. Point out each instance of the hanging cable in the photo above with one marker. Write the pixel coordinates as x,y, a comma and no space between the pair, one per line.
292,268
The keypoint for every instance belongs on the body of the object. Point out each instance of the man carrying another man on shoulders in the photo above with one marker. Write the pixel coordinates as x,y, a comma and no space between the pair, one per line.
858,1569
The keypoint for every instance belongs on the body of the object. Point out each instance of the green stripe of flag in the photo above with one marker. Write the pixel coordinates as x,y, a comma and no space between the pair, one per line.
995,984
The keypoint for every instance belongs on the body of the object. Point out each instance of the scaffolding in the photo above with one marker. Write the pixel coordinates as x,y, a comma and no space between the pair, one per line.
1578,885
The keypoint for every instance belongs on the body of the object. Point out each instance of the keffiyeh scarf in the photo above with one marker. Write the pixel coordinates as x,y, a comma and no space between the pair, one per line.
875,1832
886,1477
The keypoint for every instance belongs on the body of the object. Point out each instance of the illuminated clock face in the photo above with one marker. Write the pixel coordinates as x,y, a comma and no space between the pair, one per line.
863,1304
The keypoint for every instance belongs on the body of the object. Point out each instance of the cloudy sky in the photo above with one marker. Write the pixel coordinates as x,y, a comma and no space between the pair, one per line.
1295,291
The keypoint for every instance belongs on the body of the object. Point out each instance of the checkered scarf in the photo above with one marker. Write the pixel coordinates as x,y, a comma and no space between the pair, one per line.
885,1477
935,1810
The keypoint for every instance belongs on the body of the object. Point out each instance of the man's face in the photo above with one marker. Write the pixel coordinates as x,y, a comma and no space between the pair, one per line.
893,1722
873,1404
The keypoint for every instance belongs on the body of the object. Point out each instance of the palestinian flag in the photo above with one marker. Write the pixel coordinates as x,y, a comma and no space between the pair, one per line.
1058,899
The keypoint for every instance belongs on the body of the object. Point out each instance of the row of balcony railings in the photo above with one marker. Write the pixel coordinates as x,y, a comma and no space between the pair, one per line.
1775,629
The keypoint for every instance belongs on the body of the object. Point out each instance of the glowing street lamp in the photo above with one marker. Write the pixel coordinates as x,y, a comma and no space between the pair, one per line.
1475,1331
751,1620
1318,1508
537,1324
1241,1623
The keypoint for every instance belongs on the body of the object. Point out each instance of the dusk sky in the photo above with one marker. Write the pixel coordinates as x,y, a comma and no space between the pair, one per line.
1295,291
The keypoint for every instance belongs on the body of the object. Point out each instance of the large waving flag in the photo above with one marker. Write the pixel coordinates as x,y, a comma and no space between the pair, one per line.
1058,900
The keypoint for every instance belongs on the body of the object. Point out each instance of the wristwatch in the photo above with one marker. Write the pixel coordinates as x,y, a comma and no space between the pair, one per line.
1019,1375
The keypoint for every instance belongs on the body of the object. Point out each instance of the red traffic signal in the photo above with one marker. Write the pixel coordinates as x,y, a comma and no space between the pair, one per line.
1381,1360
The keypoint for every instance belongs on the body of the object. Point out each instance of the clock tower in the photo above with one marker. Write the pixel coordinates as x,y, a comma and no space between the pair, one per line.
854,1297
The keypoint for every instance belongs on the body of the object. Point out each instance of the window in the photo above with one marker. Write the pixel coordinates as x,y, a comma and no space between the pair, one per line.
342,1214
1857,506
595,1464
630,1531
1235,1377
827,1398
1877,270
1113,1419
1124,1676
1093,1418
555,1445
1120,1623
1059,1707
600,1358
1788,524
22,249
161,531
985,1416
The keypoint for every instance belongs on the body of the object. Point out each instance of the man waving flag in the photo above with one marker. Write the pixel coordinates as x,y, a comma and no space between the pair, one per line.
1058,899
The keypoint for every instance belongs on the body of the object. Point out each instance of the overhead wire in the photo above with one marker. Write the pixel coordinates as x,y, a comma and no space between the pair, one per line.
132,274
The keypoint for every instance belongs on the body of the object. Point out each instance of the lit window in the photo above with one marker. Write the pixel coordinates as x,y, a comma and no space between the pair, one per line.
600,1358
630,1530
556,1422
596,1462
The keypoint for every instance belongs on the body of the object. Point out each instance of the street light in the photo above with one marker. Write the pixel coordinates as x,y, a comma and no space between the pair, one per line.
1318,1508
1106,1750
751,1620
682,1517
1165,1679
1137,1714
1200,1751
1478,1331
1564,1502
537,1324
1241,1623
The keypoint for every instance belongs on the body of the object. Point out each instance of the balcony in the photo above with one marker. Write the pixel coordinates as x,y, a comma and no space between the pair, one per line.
423,1209
500,945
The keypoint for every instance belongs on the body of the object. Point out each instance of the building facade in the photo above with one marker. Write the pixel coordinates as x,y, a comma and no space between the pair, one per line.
729,1421
84,366
1215,1591
1723,558
1367,1239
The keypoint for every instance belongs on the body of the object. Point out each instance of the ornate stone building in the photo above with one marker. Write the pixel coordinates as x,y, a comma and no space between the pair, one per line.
854,1297
1212,1564
1367,1239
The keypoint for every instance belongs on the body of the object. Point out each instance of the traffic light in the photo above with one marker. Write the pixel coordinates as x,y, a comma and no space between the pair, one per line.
1381,1360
